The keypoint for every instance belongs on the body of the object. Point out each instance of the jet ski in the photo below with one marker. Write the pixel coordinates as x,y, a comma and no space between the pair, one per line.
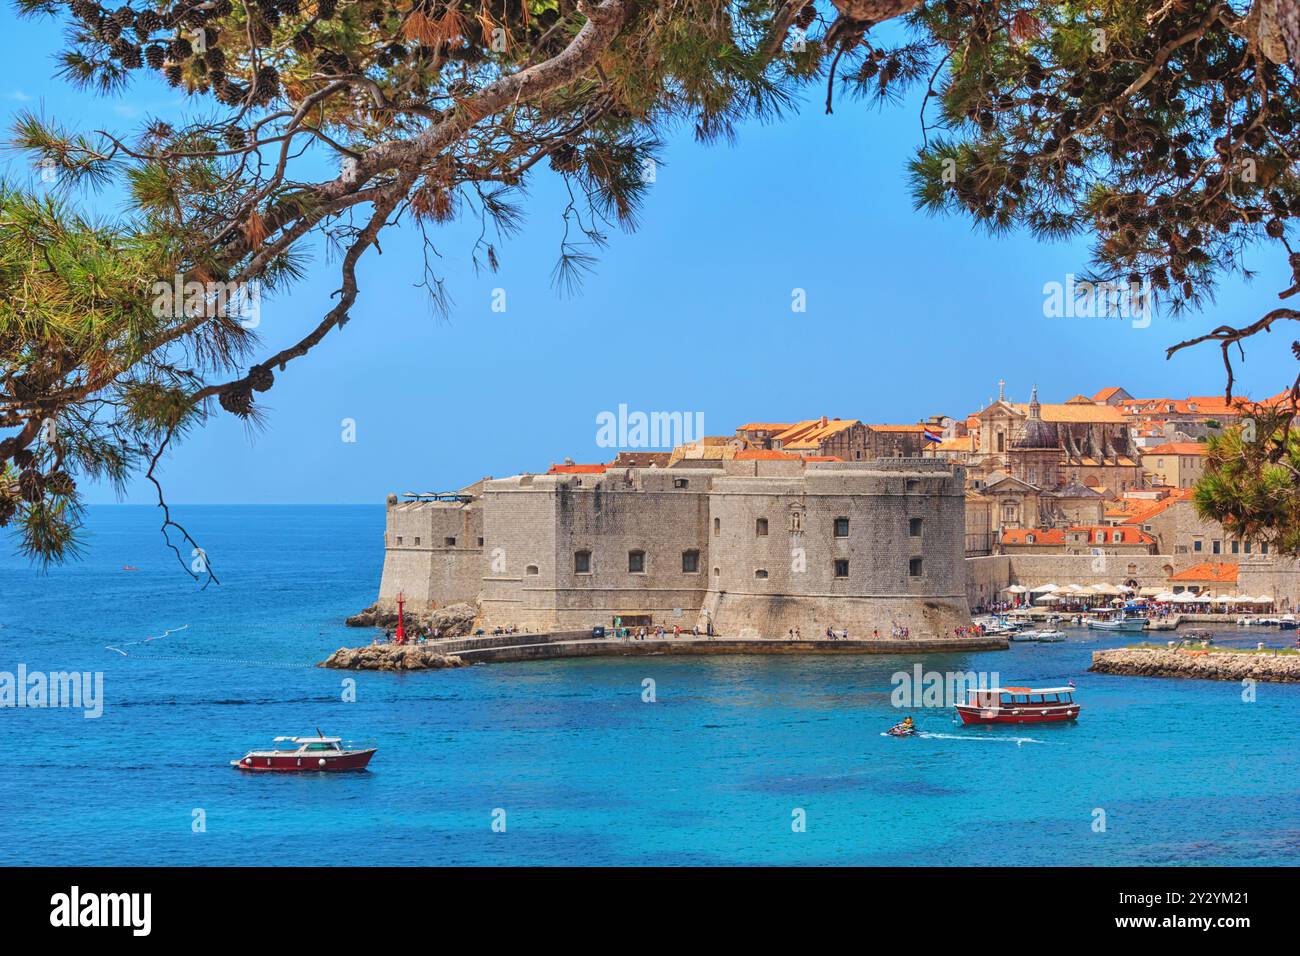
903,729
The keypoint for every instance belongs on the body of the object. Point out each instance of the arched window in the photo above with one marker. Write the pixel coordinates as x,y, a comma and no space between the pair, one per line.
531,569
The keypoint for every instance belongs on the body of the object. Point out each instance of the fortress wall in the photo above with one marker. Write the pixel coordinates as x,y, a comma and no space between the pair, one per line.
986,577
420,562
519,531
768,583
658,512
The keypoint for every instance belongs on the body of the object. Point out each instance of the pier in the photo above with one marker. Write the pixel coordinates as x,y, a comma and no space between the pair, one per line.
489,649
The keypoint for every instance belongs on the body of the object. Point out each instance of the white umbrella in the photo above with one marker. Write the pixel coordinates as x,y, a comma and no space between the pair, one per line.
1044,589
1048,599
1150,592
1166,596
1016,589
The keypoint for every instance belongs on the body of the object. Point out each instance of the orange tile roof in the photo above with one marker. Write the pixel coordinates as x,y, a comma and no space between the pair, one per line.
823,458
1211,572
897,428
1107,393
1178,448
1084,411
1159,507
812,433
765,426
764,454
577,469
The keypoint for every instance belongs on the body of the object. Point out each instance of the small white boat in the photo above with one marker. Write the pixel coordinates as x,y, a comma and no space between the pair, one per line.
1051,636
1024,637
1117,624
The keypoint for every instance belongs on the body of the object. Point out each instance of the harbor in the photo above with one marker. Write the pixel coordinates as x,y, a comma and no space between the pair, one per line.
673,758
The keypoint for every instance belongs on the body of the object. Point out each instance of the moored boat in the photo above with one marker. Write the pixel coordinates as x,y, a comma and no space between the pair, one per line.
322,754
1050,636
1018,705
1117,623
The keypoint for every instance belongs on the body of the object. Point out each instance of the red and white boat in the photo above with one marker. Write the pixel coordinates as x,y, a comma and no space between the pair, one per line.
327,754
1018,705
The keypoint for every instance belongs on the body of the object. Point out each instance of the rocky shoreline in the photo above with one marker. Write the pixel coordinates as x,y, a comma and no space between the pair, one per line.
391,657
454,620
1202,664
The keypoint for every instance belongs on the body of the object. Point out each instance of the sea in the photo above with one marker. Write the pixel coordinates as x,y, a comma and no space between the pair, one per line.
663,761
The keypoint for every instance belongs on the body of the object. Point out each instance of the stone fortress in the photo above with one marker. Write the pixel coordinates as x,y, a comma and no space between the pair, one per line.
737,547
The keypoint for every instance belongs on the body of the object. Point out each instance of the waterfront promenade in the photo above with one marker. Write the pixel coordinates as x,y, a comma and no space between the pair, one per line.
561,644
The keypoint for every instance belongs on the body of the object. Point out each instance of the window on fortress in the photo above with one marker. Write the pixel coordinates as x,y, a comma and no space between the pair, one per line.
417,542
690,562
680,482
760,572
399,539
914,527
531,569
760,527
717,527
1218,547
1236,546
636,562
582,562
1196,546
480,542
913,484
841,527
914,568
450,541
841,567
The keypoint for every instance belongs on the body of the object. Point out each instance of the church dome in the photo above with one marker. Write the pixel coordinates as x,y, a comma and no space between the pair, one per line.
1037,433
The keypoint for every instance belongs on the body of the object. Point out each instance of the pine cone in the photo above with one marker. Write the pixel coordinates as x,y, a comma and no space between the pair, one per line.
146,23
61,484
260,378
31,485
266,85
155,55
238,400
181,49
174,74
325,9
85,11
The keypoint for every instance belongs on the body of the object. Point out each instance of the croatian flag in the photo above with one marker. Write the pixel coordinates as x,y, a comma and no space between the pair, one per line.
933,436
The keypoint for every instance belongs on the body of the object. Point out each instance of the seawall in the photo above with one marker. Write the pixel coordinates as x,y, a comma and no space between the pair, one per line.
571,644
1204,664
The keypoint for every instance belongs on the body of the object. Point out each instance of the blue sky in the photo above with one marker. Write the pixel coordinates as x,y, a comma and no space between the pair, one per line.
907,316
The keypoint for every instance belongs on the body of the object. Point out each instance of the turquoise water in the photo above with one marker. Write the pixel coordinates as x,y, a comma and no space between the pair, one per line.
586,772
